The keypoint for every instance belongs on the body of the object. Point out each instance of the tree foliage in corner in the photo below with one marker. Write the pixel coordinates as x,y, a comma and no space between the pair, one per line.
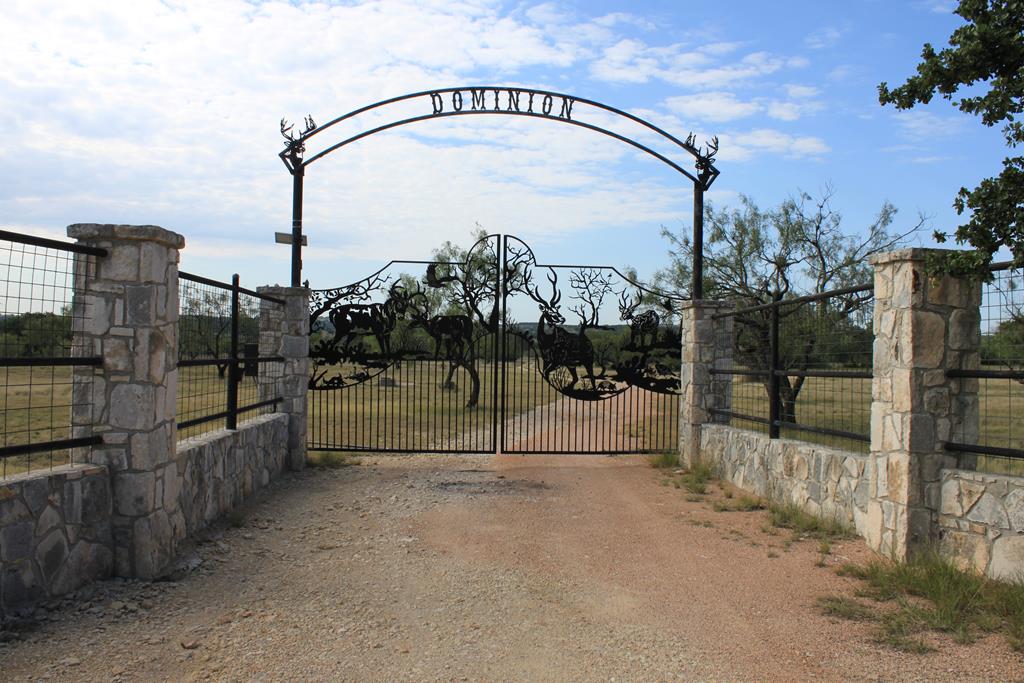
987,50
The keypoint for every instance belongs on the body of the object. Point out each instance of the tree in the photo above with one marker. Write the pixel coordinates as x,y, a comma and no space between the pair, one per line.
205,326
798,248
754,256
987,55
461,285
31,335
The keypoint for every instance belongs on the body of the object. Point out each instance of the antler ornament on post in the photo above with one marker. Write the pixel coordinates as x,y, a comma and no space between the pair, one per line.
296,146
705,154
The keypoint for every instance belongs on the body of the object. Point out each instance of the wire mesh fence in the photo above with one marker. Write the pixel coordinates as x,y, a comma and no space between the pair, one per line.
39,312
997,439
221,374
802,368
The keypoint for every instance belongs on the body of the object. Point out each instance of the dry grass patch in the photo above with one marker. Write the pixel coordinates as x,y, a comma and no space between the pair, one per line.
664,461
930,594
744,503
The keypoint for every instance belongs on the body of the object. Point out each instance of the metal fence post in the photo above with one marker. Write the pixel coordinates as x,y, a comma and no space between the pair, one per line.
698,242
773,379
233,378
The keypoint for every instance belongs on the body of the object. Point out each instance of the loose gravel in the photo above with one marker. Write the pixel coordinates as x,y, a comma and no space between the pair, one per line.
423,568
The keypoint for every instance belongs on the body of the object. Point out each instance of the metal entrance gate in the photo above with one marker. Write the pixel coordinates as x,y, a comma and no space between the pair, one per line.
493,352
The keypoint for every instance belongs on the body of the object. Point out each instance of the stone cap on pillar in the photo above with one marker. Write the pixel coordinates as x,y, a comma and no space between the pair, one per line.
272,290
908,254
115,232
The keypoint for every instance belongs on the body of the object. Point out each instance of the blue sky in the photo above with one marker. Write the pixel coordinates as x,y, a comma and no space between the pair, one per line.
167,113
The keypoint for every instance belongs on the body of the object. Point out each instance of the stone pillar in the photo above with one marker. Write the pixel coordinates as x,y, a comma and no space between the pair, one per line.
706,344
131,318
284,331
924,326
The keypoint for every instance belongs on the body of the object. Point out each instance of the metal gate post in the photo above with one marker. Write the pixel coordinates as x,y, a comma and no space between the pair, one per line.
234,377
774,412
298,173
498,411
698,241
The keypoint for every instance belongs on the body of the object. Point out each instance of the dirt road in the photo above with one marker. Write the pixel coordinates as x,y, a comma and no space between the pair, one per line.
476,568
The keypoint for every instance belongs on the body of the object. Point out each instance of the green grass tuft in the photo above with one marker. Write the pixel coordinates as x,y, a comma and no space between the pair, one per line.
744,503
664,461
791,516
898,631
846,608
696,479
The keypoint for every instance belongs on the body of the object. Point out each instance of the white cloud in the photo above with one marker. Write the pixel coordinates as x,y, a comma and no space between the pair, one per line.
548,13
937,6
619,18
923,125
700,68
801,91
792,110
712,106
743,146
726,106
826,36
841,73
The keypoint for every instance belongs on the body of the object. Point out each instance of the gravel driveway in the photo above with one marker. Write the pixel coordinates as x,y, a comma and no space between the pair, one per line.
482,568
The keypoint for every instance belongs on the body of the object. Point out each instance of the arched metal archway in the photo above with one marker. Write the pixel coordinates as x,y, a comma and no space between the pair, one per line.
508,101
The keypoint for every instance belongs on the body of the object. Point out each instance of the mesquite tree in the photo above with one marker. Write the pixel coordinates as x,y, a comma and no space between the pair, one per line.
753,256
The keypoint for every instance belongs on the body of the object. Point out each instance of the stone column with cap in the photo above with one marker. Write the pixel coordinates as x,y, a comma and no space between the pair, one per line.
284,332
924,326
131,318
706,344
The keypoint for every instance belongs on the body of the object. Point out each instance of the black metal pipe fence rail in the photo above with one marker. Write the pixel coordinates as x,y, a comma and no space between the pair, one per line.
221,374
39,315
999,435
802,367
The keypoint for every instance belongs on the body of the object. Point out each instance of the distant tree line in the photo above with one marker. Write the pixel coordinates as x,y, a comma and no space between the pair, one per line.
35,335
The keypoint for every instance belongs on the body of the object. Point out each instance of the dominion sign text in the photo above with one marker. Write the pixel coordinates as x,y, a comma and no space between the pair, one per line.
503,99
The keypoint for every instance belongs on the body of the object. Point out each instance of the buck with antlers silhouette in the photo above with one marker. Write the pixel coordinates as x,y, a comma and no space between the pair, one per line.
560,348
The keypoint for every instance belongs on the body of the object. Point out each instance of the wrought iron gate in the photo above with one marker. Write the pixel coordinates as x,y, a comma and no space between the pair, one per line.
431,356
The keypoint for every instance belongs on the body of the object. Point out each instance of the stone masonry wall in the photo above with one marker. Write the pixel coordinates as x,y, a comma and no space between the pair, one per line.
823,481
220,469
55,534
982,522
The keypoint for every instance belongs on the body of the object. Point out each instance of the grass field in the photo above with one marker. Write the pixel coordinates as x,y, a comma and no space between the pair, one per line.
405,408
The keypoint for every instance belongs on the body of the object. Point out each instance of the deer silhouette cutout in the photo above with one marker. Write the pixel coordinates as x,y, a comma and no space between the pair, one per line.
560,348
640,325
378,320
